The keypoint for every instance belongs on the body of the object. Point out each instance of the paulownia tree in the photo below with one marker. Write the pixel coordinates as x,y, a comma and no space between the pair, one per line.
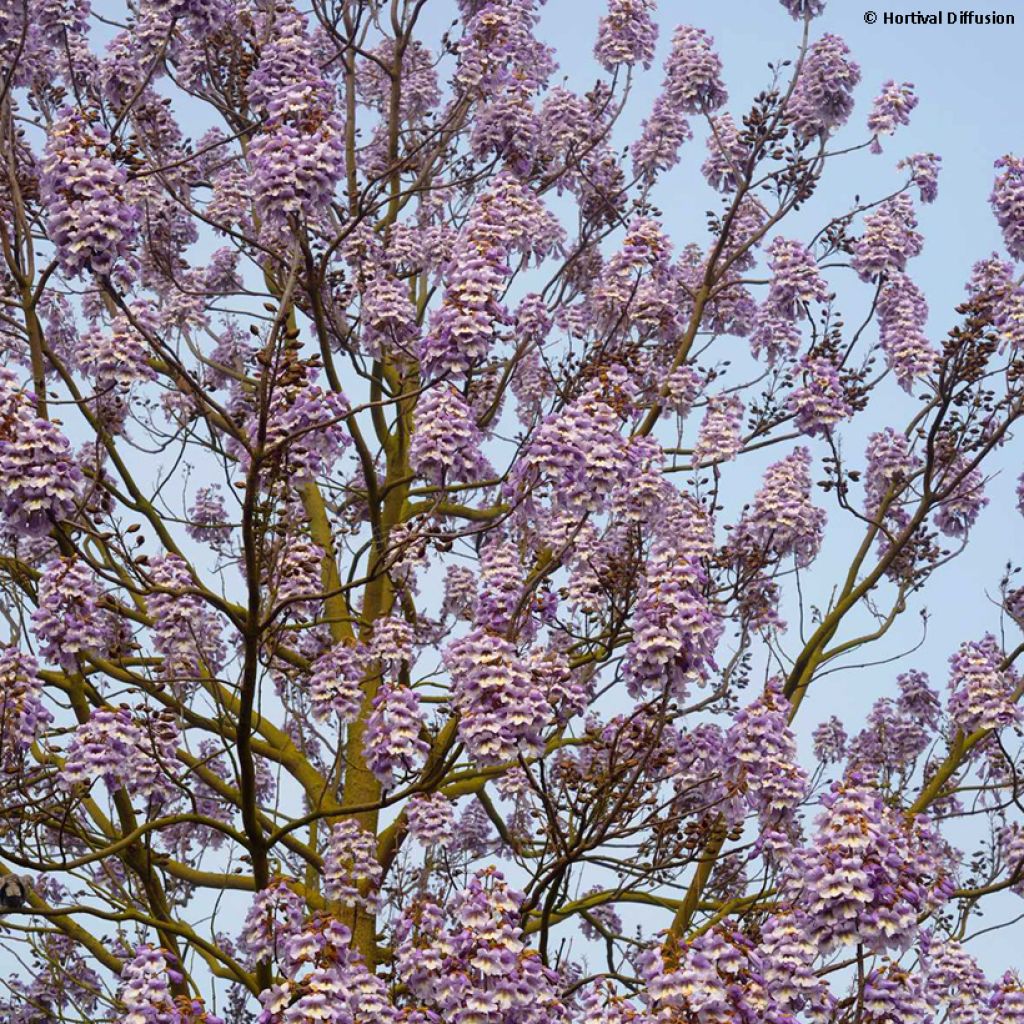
397,531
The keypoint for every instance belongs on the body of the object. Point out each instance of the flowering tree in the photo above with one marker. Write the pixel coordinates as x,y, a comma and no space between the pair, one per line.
380,643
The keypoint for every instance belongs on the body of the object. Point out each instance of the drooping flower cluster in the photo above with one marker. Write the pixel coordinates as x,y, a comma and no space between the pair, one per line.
715,977
508,218
981,689
23,715
298,157
304,430
39,479
275,916
139,754
502,66
351,871
693,82
335,682
478,959
675,630
830,741
579,453
185,632
868,873
88,216
889,239
902,314
68,622
445,444
994,286
727,154
719,438
392,739
626,34
762,758
501,587
1007,201
501,711
801,9
822,98
890,465
924,173
431,819
146,993
821,401
796,279
891,109
783,521
209,522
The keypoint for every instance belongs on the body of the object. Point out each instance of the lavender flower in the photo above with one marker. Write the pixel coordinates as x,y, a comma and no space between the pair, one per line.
822,98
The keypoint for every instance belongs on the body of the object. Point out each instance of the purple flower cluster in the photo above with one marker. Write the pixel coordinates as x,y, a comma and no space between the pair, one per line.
893,995
276,915
88,217
431,819
508,218
801,9
335,683
890,464
23,716
868,873
924,173
39,480
693,73
994,284
184,631
719,438
1007,201
208,518
124,752
981,690
820,402
796,279
392,740
298,156
68,622
783,521
304,429
661,135
116,361
388,316
762,758
146,994
829,741
675,630
889,239
822,99
476,965
325,980
891,109
501,587
579,453
501,711
902,315
351,872
727,154
445,445
626,35
503,65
